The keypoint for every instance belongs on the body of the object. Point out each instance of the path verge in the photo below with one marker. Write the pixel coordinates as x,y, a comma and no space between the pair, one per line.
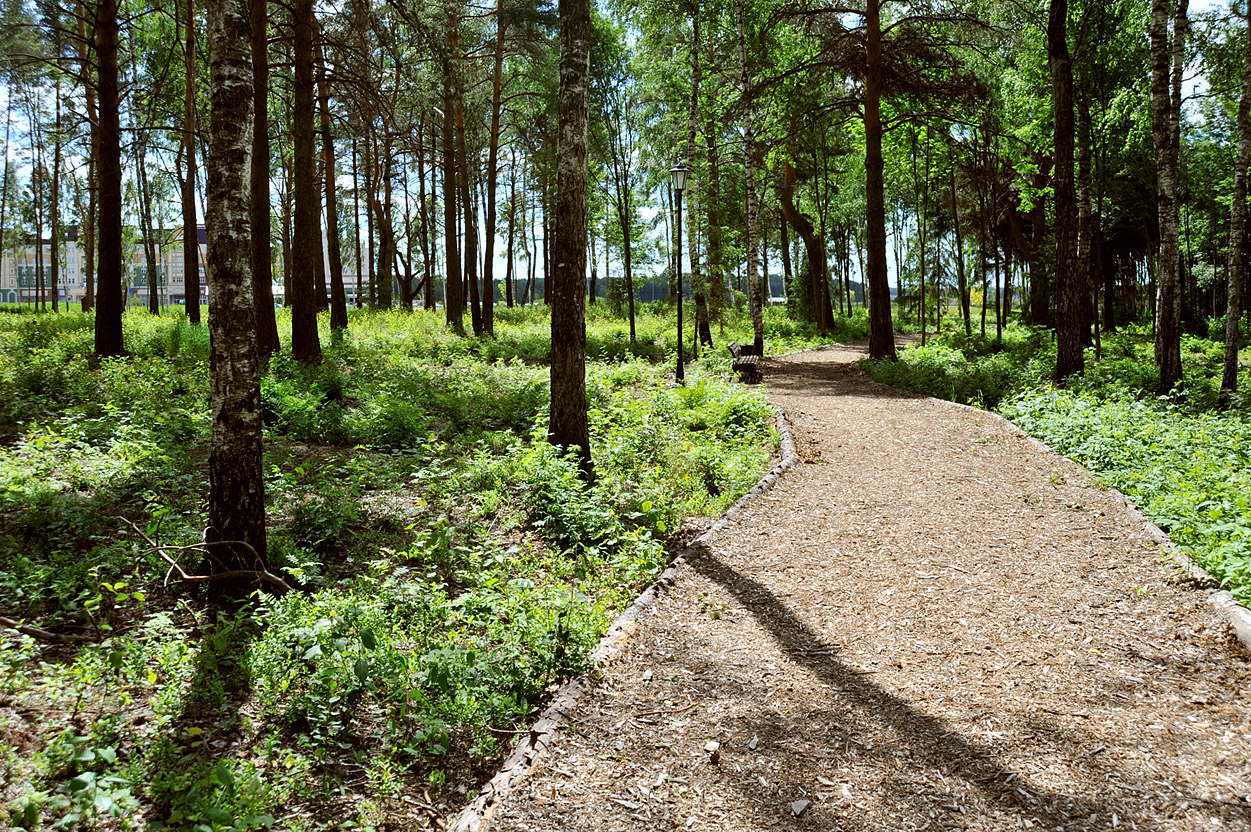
530,747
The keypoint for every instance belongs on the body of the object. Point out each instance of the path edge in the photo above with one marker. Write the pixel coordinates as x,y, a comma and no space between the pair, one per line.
1238,616
529,748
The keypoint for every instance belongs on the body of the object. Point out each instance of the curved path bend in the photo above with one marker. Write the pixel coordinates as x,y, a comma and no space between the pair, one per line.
929,624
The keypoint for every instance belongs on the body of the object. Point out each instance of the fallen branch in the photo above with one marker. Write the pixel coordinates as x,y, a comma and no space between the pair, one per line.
40,633
261,575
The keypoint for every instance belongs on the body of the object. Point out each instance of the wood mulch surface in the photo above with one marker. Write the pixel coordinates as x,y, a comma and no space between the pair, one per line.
930,623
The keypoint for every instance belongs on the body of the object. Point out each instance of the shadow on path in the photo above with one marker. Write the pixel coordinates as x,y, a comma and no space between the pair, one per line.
933,743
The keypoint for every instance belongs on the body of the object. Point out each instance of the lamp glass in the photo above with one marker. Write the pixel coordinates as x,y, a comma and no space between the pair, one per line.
679,175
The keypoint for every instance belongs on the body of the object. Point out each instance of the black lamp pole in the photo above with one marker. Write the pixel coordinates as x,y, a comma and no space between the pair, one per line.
679,174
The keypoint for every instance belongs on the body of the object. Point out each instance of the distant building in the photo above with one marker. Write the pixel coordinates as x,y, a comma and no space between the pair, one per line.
19,282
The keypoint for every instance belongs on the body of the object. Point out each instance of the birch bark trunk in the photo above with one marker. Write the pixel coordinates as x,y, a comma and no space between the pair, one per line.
236,480
1165,107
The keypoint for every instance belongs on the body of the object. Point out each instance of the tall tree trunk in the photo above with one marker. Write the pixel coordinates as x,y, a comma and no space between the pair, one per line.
285,219
962,282
568,426
4,189
236,475
144,195
983,254
1164,129
190,225
54,220
356,226
510,292
813,244
751,161
370,180
385,221
881,332
544,209
1086,230
88,235
1069,275
492,183
469,217
1237,227
306,245
108,324
784,241
258,185
338,295
703,284
922,231
453,293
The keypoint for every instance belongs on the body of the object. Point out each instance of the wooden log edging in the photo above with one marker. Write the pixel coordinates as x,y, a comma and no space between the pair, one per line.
1238,616
530,747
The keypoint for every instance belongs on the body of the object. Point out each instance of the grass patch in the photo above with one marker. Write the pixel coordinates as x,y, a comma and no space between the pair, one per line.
451,566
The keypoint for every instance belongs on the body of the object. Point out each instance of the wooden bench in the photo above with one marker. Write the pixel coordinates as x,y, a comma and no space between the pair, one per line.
745,362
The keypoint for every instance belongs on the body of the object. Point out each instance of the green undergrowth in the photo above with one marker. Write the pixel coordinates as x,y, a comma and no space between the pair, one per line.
1183,462
451,566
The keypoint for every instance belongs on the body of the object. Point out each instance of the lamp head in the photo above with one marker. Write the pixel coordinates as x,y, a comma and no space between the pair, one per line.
679,174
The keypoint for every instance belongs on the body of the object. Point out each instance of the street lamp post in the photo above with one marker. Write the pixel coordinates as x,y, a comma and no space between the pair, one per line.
679,174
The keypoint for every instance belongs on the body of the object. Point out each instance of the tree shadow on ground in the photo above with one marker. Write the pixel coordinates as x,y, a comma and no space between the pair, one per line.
805,373
928,742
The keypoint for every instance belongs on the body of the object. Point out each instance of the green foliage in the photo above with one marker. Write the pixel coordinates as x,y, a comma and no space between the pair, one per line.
971,369
452,564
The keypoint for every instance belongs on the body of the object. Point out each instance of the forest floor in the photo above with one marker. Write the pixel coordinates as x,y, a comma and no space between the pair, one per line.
930,623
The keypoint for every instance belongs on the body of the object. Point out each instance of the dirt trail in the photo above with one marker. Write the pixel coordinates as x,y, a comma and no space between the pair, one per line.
930,623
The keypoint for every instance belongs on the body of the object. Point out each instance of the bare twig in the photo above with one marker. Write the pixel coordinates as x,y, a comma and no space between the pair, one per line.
262,575
40,633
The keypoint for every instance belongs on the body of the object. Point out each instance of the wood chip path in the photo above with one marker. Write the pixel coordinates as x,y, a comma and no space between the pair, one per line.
929,624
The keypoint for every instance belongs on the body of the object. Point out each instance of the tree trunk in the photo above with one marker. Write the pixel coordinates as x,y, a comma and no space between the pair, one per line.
261,259
510,291
962,282
881,332
338,295
236,475
190,224
108,324
813,244
144,195
88,230
568,427
356,226
1237,228
470,220
492,183
1069,277
306,245
383,219
1085,227
755,301
54,220
454,299
1164,128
